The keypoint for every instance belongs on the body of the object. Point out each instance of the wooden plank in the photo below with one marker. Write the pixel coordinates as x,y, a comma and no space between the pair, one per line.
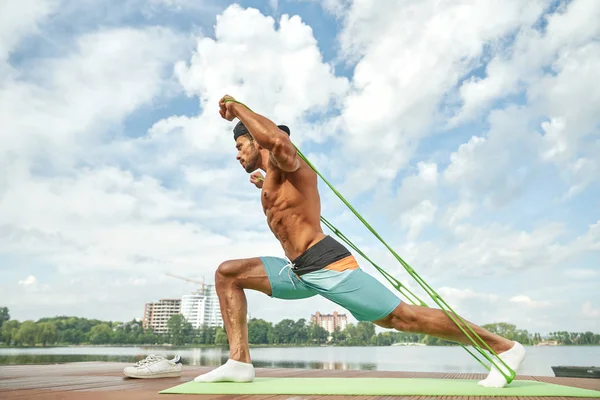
99,381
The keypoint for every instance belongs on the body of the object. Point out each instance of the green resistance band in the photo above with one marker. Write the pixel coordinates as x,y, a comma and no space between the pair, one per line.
398,285
393,281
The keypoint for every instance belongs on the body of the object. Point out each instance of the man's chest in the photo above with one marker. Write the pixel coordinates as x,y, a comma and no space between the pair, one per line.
269,194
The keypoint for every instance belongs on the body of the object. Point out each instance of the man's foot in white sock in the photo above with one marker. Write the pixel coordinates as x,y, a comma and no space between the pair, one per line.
231,371
513,358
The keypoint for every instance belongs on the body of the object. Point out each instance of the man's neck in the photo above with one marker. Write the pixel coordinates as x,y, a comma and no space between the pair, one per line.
264,160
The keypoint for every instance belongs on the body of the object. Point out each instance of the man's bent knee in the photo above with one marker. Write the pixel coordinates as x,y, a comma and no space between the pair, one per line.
243,274
402,318
385,322
227,274
229,269
389,320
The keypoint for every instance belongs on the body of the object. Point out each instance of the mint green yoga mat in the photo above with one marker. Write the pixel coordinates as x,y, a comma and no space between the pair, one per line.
380,387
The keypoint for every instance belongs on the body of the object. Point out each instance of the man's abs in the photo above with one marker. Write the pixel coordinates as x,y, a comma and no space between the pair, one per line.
295,233
292,205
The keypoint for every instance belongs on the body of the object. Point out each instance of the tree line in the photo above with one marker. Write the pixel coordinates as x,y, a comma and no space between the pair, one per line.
575,338
65,330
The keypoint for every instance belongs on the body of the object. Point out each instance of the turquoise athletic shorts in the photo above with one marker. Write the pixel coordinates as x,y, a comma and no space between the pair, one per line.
346,284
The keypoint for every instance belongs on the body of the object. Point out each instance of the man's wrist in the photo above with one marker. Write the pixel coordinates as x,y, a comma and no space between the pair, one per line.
233,105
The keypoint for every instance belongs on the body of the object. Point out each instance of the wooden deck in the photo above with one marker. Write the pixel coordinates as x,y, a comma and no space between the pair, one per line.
98,380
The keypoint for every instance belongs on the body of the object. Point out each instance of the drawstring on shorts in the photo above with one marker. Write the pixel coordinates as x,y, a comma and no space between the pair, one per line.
289,265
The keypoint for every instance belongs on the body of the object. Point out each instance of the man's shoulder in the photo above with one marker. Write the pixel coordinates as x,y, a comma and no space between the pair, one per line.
304,170
304,173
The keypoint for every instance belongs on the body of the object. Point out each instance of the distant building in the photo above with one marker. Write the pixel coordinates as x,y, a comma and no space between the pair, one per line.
202,307
548,343
157,314
330,321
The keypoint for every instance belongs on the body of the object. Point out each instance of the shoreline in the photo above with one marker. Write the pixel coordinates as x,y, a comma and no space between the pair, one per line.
212,346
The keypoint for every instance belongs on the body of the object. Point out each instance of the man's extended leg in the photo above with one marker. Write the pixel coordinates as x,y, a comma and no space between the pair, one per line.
434,322
369,300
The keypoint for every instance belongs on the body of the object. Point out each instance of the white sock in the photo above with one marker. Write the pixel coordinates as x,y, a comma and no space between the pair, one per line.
231,371
512,358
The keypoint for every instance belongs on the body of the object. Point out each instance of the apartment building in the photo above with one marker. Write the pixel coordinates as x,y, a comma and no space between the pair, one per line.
201,308
330,321
157,314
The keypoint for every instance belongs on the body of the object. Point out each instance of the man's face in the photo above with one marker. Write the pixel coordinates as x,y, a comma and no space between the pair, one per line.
247,153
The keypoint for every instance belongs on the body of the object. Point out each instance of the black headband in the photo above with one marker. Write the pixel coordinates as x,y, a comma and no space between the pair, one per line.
240,129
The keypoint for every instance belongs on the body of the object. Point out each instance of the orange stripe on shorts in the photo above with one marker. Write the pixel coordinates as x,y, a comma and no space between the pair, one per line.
343,264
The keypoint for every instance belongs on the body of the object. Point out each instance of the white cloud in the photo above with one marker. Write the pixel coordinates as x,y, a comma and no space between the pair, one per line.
68,103
417,218
297,82
570,137
533,49
206,177
553,69
108,76
455,213
581,273
405,70
474,306
454,294
202,11
528,302
479,168
483,308
138,281
274,4
18,20
57,207
587,310
555,141
418,187
498,250
462,165
335,7
31,285
590,240
29,281
415,199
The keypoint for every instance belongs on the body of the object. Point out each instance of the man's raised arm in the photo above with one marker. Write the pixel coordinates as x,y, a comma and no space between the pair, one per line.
264,131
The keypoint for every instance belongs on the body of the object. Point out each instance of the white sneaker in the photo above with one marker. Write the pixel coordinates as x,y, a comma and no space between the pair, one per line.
155,367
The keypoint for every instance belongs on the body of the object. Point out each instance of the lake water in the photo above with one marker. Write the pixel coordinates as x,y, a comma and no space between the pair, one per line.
392,358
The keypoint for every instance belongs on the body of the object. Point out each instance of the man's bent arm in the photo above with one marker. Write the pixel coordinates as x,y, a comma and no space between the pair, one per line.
266,133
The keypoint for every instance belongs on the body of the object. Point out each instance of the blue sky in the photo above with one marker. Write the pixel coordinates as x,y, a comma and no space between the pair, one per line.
467,136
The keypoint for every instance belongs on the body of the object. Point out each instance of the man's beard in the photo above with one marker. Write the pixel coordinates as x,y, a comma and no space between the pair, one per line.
252,162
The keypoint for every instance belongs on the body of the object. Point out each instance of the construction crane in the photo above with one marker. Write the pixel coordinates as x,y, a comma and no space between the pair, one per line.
202,283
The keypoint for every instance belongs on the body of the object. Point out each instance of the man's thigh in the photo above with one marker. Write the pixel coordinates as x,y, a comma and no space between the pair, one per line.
284,282
355,290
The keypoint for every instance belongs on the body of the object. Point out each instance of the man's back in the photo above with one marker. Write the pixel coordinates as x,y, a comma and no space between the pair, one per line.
292,205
